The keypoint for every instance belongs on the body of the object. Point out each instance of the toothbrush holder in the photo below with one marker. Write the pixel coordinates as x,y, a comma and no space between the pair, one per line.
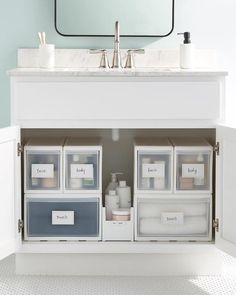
46,56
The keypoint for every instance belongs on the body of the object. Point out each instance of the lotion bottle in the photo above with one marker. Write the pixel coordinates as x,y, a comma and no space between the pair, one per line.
124,193
187,52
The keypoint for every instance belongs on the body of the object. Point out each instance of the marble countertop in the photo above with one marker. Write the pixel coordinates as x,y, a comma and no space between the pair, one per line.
94,72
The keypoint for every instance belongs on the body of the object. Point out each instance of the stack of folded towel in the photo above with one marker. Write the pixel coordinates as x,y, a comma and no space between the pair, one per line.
195,221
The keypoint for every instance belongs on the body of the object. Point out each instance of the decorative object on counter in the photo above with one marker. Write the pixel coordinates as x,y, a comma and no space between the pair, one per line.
46,52
112,202
187,52
124,193
122,214
113,184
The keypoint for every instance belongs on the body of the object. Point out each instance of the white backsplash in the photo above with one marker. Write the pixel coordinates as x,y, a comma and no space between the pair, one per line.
81,58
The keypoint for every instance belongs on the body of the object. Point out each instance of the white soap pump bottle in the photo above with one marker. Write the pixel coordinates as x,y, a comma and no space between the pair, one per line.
113,184
187,52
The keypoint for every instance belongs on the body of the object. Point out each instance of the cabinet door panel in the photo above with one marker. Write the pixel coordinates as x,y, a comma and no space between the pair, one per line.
10,188
226,190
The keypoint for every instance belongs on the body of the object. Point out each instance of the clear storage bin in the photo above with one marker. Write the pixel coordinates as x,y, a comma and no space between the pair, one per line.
174,219
42,166
82,167
193,165
55,218
153,165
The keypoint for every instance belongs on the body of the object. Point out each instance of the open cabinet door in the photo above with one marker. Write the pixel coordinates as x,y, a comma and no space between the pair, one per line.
226,189
10,190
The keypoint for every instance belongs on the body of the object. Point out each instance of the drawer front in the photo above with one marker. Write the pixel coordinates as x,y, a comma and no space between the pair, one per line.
42,170
118,230
174,219
56,218
154,171
115,99
82,170
193,170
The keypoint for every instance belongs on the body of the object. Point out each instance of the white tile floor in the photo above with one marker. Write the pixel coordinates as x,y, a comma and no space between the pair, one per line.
10,284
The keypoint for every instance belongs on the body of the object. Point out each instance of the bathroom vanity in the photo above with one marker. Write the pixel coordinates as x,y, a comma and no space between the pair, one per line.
144,103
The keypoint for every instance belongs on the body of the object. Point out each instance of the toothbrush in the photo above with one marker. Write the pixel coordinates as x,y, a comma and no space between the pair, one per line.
44,37
40,38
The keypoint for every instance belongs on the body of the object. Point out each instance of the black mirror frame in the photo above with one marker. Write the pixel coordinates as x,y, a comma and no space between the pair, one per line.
136,36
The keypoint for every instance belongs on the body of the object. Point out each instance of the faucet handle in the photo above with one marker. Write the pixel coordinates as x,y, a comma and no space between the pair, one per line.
130,59
104,64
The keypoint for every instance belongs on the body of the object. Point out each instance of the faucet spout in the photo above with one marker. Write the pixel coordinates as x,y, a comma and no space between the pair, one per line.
116,62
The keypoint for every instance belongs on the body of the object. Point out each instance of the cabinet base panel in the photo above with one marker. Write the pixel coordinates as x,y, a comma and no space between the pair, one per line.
119,264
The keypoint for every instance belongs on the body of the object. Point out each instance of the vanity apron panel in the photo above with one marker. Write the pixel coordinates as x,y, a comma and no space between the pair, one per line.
116,99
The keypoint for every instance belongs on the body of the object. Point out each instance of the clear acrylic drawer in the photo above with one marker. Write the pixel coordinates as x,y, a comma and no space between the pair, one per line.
193,168
42,169
62,219
81,170
174,219
153,168
82,165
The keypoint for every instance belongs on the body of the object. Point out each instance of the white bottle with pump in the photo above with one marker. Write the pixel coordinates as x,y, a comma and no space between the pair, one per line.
113,184
124,193
112,202
187,52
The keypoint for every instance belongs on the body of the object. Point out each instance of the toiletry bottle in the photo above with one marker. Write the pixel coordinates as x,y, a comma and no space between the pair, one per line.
145,182
51,182
111,203
75,183
89,182
187,52
200,180
159,182
124,193
113,183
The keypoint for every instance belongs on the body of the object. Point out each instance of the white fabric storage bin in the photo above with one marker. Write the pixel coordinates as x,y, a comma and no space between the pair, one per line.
182,219
49,217
82,166
118,230
43,166
153,166
193,165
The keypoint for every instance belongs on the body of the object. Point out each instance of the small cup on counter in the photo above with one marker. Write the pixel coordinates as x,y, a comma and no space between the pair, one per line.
46,56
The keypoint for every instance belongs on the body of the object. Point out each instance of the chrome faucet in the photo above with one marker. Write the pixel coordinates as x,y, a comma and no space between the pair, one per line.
116,62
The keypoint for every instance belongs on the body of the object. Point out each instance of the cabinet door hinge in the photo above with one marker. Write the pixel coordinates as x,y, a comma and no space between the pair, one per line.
20,225
19,149
216,148
216,224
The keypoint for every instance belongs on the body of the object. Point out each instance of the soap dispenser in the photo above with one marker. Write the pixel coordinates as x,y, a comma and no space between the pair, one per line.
113,184
187,52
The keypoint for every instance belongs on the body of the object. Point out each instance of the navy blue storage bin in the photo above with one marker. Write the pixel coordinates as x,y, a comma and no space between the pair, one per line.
85,213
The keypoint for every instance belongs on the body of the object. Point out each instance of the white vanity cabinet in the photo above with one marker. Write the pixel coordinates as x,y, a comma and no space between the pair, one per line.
177,100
